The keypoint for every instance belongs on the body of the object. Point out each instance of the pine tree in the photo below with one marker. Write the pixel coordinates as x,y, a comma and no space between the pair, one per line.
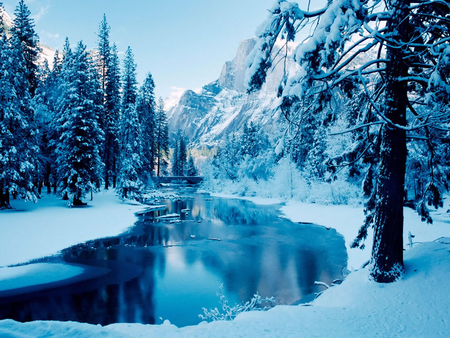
43,115
129,82
161,139
179,156
104,52
108,70
79,163
145,107
23,31
130,184
175,159
112,108
63,77
191,170
18,148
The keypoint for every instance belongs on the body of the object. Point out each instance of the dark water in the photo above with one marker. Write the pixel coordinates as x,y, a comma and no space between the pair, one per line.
171,268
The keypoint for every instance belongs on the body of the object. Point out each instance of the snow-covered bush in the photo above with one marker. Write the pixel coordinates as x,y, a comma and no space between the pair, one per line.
228,312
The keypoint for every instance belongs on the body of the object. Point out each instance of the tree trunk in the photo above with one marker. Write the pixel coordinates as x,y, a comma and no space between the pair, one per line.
4,198
107,159
387,252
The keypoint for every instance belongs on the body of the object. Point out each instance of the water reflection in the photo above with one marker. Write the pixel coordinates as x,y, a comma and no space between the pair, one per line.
170,268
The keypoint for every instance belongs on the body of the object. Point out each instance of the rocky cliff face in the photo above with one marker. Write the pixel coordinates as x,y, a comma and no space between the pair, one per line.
223,107
233,72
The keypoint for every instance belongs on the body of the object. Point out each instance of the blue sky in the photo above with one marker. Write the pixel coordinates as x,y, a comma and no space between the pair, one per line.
183,43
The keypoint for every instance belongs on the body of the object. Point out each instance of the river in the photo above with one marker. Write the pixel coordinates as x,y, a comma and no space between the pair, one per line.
172,267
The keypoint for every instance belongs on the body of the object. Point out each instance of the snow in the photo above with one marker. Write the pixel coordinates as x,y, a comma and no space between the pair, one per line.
39,276
37,230
415,306
39,273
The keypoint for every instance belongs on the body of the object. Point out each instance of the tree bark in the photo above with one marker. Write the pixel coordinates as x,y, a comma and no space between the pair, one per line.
4,198
387,252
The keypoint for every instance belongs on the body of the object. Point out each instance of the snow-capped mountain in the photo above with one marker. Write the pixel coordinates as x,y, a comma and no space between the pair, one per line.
223,106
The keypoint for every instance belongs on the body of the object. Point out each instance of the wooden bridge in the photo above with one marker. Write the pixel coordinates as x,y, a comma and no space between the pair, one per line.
172,179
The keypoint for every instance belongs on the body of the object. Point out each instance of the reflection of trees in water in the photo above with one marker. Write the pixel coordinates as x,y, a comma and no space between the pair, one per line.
286,270
110,299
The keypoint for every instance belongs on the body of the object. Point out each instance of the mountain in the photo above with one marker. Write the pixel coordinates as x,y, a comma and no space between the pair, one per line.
223,106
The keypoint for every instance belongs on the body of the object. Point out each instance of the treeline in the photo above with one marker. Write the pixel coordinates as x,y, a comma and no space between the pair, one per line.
76,125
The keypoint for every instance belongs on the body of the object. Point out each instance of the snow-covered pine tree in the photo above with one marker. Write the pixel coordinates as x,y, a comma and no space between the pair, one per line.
109,74
182,155
23,30
191,170
78,150
227,159
408,98
146,107
175,158
112,107
130,184
50,96
43,118
161,139
104,51
179,156
62,105
18,148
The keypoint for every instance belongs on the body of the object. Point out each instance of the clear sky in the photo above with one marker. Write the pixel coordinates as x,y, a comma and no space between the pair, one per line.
183,43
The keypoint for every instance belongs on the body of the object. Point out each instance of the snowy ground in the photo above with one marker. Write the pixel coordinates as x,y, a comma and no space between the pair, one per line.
415,306
34,230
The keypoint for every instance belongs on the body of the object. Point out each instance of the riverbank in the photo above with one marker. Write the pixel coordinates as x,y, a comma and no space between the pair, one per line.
415,306
35,230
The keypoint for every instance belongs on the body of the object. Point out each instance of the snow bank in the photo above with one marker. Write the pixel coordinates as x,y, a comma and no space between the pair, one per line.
40,276
39,273
32,231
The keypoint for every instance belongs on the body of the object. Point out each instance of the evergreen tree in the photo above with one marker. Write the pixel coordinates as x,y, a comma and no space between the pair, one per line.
112,108
227,159
129,82
130,184
175,159
109,74
182,155
79,163
104,52
252,141
161,139
191,170
179,156
63,76
43,115
23,31
18,148
146,107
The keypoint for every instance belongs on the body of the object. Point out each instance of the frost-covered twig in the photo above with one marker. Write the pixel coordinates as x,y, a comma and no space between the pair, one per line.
230,312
